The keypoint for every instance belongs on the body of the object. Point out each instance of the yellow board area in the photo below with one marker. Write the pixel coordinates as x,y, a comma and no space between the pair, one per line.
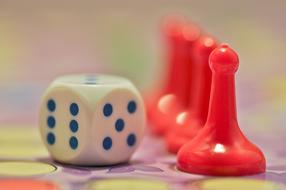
25,168
238,184
21,142
127,184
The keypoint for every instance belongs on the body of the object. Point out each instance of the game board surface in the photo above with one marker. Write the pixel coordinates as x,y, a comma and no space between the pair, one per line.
40,42
24,156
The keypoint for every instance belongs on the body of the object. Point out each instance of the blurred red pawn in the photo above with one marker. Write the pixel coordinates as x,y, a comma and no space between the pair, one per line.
164,105
189,122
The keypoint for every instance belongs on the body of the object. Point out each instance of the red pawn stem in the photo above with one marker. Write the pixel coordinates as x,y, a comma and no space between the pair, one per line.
190,122
220,148
163,97
163,109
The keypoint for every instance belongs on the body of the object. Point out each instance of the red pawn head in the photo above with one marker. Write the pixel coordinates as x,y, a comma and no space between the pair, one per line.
224,60
204,46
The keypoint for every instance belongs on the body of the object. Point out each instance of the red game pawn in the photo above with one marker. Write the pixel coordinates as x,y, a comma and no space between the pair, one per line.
220,148
189,123
163,109
171,32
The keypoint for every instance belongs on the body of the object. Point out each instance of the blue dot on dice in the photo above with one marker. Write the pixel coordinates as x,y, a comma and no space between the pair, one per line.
107,143
51,139
74,109
107,110
51,105
51,122
90,82
73,142
119,125
131,107
73,126
131,139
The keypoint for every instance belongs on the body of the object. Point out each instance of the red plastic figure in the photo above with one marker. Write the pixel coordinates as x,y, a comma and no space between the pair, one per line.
163,108
220,148
188,123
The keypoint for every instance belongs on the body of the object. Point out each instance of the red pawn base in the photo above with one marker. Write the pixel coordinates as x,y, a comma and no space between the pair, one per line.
175,142
208,157
182,132
162,113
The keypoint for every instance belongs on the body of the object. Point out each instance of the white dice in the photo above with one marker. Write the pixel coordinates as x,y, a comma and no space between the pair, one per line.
91,119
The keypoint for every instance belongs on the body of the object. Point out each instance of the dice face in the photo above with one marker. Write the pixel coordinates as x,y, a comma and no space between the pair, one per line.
91,120
63,121
118,124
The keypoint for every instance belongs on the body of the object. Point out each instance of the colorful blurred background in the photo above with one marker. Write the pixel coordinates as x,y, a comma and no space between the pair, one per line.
40,40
